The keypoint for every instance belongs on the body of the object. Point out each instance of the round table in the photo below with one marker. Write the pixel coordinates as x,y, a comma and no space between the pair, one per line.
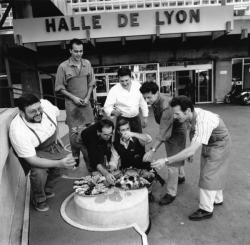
114,210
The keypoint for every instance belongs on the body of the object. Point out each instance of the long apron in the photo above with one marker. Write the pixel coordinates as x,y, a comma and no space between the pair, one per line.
50,148
78,115
214,159
177,141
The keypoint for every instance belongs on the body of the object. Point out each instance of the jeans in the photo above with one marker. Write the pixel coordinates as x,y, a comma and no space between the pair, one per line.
42,180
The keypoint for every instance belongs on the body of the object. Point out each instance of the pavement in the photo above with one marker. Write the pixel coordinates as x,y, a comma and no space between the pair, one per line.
170,224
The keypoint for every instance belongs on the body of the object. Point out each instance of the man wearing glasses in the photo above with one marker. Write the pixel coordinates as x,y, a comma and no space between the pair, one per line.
97,140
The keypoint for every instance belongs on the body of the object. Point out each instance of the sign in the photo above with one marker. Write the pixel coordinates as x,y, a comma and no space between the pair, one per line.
122,24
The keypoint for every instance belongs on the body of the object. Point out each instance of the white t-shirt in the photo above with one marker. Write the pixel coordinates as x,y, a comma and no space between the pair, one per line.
23,139
128,102
206,122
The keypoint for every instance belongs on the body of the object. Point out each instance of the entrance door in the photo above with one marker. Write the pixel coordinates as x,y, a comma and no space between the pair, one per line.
168,83
246,83
203,86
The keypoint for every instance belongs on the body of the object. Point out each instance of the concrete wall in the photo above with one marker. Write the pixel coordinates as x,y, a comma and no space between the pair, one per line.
13,183
12,186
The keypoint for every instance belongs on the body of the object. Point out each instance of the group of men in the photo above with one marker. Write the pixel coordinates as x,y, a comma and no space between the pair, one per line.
118,141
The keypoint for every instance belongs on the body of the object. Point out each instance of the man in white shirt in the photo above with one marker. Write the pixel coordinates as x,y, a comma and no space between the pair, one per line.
33,135
125,100
209,132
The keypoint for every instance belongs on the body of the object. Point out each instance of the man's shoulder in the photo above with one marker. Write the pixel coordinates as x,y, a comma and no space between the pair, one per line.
64,63
87,62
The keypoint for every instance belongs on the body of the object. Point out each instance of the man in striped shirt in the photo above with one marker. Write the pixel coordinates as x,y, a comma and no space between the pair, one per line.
207,130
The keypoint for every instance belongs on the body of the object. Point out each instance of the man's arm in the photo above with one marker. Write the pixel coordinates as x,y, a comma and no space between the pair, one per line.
143,138
165,132
35,161
144,109
109,177
109,106
184,154
91,84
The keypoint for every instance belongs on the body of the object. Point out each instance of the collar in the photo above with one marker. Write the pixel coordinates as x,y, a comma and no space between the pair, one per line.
157,100
125,144
71,63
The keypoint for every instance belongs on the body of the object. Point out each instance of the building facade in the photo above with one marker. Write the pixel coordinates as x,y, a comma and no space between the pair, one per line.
193,48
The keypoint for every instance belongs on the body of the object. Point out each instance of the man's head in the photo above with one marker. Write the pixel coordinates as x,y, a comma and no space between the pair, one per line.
76,49
123,126
124,76
182,107
105,129
30,108
150,92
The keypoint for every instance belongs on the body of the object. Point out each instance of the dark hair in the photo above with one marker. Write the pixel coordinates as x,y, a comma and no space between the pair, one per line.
183,101
123,71
148,87
122,121
104,123
26,100
75,41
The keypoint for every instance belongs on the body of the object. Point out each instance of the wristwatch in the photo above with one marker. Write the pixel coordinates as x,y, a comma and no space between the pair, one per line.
153,149
166,161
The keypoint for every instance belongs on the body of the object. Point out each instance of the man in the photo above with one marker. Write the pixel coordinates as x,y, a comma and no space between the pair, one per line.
96,139
124,100
33,135
129,147
171,132
209,132
75,80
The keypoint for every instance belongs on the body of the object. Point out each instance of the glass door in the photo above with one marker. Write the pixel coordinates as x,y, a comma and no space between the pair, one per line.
168,83
203,85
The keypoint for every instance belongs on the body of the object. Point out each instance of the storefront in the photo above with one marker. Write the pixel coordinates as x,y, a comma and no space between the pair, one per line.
194,51
195,81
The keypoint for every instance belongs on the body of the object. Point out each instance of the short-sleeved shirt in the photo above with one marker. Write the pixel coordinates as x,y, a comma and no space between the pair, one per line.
68,70
206,122
128,102
97,148
23,139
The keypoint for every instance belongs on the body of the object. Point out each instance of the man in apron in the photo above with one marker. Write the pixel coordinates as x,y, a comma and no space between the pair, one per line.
33,135
75,80
171,132
209,132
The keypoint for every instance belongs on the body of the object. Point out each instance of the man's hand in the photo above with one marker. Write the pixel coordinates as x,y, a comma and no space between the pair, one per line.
158,164
67,162
110,178
144,122
78,101
85,101
148,156
116,112
127,134
190,159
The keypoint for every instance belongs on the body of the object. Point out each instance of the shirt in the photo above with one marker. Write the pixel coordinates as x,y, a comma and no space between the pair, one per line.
159,106
23,139
128,102
98,149
206,122
67,70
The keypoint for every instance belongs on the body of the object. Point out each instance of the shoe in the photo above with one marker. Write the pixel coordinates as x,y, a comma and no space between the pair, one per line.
41,206
49,194
181,180
200,214
218,204
167,199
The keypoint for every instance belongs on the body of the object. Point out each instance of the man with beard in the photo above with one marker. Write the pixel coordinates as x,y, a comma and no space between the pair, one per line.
97,140
209,133
33,135
75,80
